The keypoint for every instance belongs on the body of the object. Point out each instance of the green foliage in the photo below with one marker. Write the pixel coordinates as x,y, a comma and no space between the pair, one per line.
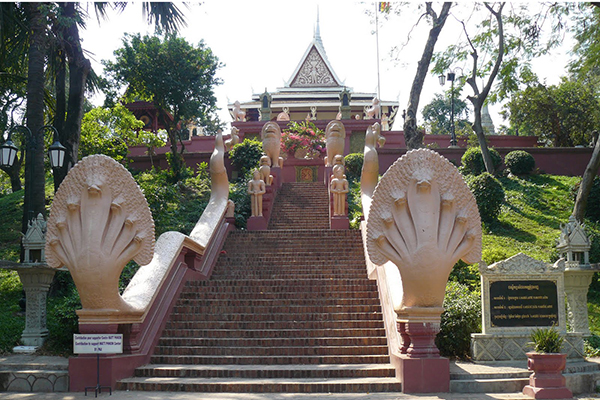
489,195
355,213
62,319
466,274
592,211
110,131
173,74
238,193
11,210
461,318
12,319
437,114
353,163
245,157
562,115
472,161
591,346
519,162
175,207
546,340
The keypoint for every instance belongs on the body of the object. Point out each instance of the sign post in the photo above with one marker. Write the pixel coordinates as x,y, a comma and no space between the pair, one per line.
98,344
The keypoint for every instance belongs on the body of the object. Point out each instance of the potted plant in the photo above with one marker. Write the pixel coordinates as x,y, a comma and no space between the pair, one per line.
547,364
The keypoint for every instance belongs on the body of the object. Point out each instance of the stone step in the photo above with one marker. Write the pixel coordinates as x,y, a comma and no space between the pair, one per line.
274,342
238,385
267,371
280,317
299,296
279,285
274,309
499,385
273,360
222,333
297,351
280,302
274,325
327,286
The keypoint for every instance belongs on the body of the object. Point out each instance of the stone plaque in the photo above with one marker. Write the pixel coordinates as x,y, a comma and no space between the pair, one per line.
523,303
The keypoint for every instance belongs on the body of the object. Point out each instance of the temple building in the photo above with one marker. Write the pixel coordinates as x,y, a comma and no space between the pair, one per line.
315,92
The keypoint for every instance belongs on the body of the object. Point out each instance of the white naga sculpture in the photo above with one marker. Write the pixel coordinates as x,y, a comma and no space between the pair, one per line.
265,170
335,139
238,114
423,218
373,111
271,139
100,220
233,140
256,190
339,188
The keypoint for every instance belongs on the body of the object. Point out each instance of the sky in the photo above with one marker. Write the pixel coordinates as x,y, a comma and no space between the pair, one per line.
261,42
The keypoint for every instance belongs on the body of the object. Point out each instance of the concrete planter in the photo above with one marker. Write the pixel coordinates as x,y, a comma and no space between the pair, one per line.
547,380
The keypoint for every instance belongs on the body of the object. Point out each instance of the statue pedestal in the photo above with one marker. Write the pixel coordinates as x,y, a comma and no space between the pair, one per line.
257,224
421,368
36,283
339,222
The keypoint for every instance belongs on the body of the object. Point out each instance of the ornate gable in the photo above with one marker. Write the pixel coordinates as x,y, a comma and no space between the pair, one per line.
314,70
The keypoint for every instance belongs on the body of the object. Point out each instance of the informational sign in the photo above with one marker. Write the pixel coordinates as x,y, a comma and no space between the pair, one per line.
98,343
523,303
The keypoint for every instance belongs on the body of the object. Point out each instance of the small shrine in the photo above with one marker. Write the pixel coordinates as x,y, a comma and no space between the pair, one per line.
573,244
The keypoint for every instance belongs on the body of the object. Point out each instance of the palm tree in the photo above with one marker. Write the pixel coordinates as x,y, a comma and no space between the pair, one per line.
55,26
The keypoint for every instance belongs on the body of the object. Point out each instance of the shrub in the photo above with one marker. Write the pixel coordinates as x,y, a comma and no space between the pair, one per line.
472,161
461,318
546,340
519,162
245,156
238,193
489,195
354,163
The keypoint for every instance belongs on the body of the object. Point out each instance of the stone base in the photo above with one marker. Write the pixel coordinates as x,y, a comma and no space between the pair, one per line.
339,222
498,347
547,393
25,349
34,381
257,224
425,375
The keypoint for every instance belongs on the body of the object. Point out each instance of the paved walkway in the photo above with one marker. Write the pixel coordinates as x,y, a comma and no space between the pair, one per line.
251,396
6,362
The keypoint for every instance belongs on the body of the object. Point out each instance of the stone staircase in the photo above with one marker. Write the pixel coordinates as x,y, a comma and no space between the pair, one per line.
289,309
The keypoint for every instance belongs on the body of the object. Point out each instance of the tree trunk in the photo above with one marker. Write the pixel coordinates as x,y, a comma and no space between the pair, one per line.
34,203
478,129
478,98
414,138
79,68
586,182
14,173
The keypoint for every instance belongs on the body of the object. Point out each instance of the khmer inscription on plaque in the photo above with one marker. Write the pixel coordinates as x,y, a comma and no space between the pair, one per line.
523,303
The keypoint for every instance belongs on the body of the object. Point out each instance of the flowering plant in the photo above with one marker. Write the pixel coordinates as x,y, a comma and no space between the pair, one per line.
302,136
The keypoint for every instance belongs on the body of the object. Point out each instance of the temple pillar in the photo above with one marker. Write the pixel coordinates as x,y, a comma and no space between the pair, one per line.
36,284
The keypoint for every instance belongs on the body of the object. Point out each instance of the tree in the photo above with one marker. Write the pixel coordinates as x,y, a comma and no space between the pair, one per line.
562,115
437,111
174,75
586,32
42,35
413,136
503,47
110,131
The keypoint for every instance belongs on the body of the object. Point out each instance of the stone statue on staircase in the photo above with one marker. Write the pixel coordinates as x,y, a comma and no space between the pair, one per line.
339,188
256,190
265,170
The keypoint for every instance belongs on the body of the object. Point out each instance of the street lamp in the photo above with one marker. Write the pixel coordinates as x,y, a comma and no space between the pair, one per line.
8,153
451,77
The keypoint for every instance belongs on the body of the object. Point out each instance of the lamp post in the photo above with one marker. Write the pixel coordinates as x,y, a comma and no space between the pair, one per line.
8,153
451,77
